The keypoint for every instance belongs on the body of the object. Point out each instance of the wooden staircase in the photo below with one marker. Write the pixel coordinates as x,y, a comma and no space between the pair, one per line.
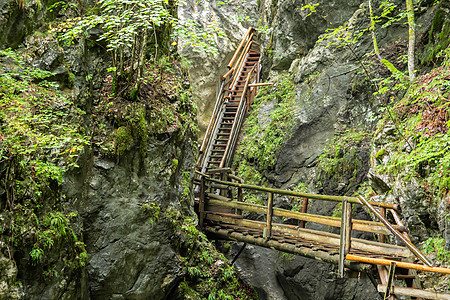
237,90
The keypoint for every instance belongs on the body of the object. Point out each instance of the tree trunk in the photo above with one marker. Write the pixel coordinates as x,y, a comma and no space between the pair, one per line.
412,38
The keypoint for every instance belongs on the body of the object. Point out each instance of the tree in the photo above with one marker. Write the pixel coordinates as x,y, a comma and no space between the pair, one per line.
129,26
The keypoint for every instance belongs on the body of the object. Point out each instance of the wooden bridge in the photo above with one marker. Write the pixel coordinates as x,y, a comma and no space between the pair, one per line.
224,214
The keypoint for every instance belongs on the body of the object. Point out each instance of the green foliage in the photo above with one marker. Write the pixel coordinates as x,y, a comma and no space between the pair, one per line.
263,139
340,158
436,245
132,27
209,275
153,210
422,116
39,141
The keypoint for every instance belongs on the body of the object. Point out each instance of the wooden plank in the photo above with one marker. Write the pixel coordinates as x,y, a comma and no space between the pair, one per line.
307,252
218,197
412,292
382,236
269,215
261,84
202,201
361,225
404,265
342,239
317,236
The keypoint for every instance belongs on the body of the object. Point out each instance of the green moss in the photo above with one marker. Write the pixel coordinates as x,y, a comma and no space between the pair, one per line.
264,136
439,37
124,140
209,275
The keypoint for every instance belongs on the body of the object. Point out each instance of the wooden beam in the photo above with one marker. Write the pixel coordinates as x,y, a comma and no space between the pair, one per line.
303,251
348,228
404,265
316,236
396,233
260,84
412,292
361,225
269,215
305,195
390,280
342,239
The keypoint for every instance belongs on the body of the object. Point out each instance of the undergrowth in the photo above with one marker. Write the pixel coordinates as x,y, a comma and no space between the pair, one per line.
423,115
39,142
209,274
264,138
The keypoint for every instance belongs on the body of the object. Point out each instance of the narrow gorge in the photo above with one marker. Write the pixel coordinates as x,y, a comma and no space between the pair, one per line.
104,106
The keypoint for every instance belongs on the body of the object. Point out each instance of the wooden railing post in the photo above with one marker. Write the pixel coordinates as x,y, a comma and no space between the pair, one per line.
269,216
343,238
348,228
304,210
201,205
383,213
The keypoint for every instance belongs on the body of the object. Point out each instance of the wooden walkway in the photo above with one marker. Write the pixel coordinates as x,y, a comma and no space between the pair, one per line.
224,214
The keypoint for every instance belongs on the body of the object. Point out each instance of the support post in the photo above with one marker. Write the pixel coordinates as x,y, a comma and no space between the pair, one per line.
387,293
342,239
348,228
269,216
201,205
240,198
304,210
383,213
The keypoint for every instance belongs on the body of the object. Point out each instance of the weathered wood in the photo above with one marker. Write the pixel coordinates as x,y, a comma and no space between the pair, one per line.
342,239
361,225
260,84
348,228
317,236
202,201
404,265
303,251
399,222
219,170
413,292
231,215
238,49
218,197
269,215
383,236
306,195
396,233
387,293
304,211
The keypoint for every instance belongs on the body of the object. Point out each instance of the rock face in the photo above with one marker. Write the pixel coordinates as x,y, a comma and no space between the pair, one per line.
233,18
132,251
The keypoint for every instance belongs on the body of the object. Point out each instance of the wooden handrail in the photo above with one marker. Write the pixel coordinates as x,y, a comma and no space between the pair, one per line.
300,194
250,30
360,225
236,124
405,265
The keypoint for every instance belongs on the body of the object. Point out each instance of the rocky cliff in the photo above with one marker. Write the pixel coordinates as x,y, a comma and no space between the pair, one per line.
96,191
